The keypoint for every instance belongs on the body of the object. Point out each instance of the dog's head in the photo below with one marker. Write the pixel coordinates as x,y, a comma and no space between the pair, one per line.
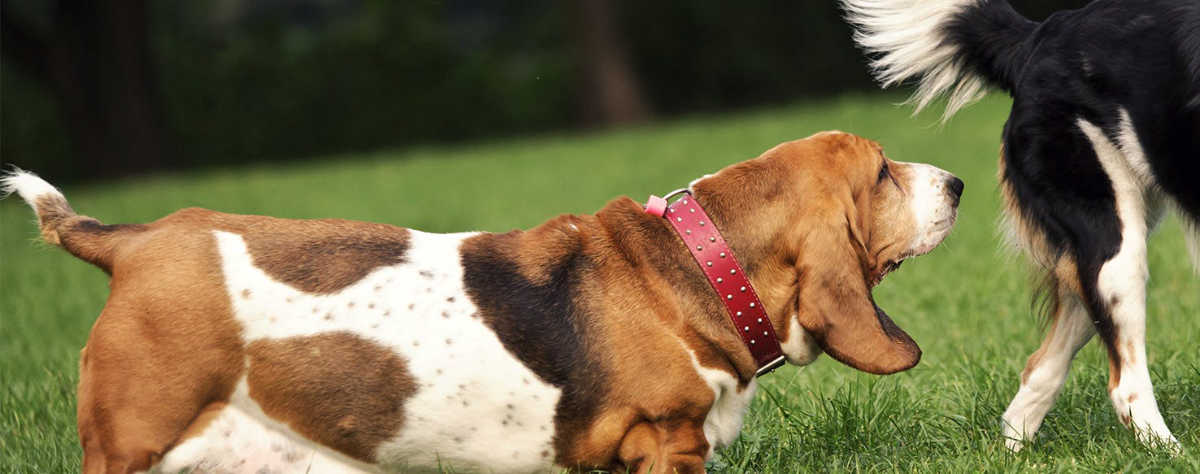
824,219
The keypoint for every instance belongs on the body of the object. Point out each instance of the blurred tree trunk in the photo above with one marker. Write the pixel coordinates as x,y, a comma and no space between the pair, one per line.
97,62
610,92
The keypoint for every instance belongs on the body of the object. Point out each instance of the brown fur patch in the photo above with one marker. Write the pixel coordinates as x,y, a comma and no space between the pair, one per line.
326,255
338,389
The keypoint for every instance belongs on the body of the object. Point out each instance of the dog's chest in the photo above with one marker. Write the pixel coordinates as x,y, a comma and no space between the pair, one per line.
723,423
467,402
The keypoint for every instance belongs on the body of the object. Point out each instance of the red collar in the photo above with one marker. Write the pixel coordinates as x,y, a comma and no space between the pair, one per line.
716,260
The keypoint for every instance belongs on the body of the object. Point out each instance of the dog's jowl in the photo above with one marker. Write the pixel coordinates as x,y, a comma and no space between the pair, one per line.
235,343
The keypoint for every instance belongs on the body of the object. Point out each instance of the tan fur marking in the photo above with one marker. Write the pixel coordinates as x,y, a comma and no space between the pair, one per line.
1114,374
1022,234
295,379
1064,283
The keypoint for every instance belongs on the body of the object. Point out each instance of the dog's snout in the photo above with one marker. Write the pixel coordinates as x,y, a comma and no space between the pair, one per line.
955,186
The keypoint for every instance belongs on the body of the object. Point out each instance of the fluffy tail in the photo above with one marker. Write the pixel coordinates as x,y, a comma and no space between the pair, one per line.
83,236
951,47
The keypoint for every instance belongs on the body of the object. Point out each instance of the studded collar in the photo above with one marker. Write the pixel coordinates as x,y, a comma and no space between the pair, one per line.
726,276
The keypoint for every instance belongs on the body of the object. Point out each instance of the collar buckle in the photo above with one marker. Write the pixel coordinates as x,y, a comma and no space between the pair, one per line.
677,192
658,205
772,365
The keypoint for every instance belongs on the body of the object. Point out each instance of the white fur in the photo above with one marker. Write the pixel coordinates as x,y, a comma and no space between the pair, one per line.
236,442
906,36
27,185
724,420
477,407
800,348
932,207
692,185
1072,330
1123,278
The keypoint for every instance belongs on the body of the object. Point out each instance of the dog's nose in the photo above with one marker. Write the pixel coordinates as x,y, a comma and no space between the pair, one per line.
955,185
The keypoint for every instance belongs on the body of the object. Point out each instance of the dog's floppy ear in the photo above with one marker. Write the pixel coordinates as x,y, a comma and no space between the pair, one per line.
836,307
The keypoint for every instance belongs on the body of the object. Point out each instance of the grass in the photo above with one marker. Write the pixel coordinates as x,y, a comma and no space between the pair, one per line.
967,304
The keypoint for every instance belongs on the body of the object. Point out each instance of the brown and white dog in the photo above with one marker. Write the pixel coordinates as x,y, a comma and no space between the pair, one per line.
241,343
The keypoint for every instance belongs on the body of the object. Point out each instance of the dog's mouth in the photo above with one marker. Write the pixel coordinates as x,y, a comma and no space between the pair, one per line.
887,268
943,228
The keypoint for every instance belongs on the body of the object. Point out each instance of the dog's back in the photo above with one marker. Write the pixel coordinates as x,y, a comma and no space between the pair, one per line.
1140,58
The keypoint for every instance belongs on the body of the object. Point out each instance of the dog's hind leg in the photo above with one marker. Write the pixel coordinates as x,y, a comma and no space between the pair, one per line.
1046,371
1121,288
1117,296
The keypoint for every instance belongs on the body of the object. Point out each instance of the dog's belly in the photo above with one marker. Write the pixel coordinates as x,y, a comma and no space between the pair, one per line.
235,443
456,396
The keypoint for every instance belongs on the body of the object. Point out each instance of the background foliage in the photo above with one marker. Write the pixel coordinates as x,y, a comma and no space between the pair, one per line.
238,80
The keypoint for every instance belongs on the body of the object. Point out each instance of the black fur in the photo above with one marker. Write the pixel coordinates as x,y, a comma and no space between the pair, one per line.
540,323
1142,56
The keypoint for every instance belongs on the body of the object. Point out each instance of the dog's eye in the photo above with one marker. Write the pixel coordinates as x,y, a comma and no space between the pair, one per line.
883,171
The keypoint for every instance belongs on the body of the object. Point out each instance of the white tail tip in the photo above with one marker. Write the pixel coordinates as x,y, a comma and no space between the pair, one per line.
27,185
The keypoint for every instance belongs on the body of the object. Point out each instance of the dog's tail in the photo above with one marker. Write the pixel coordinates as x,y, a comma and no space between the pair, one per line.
951,47
83,236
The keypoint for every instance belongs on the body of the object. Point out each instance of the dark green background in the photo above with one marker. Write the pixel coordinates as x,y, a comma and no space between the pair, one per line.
240,81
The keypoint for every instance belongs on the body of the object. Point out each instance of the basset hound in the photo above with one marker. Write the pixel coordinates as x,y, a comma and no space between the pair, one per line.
235,343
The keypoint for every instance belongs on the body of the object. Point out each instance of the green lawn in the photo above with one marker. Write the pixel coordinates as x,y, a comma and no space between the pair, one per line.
967,304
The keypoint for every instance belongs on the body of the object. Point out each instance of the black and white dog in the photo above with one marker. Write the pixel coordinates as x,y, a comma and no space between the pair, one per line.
1104,134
